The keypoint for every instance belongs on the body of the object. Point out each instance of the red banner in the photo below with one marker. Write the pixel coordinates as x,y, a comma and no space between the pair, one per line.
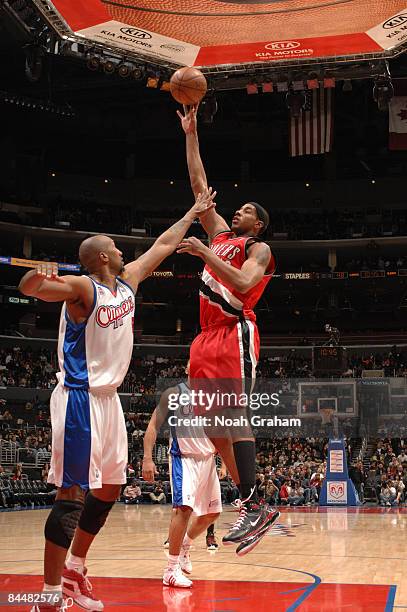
348,44
88,14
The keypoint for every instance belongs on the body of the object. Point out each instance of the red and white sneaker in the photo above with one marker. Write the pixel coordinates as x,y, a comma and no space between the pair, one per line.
78,586
185,561
175,578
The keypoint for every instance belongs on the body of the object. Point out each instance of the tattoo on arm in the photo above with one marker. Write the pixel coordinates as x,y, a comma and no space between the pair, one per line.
179,225
263,255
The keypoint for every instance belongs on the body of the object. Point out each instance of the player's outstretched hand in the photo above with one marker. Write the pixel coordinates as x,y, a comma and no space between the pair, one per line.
188,119
204,202
49,270
149,470
191,246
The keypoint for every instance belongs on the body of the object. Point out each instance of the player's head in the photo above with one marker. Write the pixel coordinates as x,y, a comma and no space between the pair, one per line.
251,218
100,252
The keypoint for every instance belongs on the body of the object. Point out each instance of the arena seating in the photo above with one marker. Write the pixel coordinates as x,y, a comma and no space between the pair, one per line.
287,224
24,493
289,462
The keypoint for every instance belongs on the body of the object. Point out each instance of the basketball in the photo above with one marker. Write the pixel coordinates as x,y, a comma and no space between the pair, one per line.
188,85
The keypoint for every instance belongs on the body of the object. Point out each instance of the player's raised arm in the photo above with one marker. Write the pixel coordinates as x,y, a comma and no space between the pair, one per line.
157,419
165,245
242,280
212,222
45,284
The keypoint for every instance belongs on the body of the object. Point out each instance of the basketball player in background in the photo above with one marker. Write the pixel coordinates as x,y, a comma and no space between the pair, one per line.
194,480
238,266
89,438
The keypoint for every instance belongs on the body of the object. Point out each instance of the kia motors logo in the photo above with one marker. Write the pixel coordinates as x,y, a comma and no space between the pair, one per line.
395,22
283,45
135,33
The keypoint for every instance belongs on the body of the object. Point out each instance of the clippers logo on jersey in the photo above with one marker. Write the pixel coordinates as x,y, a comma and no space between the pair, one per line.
113,315
85,349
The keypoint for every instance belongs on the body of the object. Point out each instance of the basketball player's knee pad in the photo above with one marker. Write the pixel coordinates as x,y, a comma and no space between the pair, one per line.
94,514
62,522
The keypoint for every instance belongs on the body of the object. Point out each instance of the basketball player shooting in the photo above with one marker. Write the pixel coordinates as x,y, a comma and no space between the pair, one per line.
194,480
89,438
238,266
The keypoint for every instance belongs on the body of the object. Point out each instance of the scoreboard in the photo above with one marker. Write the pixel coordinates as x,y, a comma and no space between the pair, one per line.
328,359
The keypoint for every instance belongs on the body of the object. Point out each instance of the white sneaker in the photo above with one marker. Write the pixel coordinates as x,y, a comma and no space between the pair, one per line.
185,561
166,544
175,578
78,586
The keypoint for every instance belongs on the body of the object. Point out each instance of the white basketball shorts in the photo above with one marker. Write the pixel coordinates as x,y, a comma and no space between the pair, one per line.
195,483
89,439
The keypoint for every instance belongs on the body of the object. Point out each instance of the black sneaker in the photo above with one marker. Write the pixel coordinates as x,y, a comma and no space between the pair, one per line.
253,517
247,545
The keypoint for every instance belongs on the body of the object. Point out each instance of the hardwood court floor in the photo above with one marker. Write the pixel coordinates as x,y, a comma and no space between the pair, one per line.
313,560
214,22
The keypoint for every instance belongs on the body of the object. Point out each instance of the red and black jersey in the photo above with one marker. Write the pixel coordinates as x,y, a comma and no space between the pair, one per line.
220,303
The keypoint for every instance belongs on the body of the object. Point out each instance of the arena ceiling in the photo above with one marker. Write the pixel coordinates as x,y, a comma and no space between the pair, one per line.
212,33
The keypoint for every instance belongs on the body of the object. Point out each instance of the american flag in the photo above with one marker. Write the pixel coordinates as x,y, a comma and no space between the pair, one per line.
312,132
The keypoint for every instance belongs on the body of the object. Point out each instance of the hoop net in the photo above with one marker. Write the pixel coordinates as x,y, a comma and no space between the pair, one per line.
326,415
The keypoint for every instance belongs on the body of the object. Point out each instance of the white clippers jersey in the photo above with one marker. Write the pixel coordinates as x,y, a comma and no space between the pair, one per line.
96,354
188,440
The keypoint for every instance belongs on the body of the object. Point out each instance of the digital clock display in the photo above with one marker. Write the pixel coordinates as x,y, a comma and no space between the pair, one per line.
328,358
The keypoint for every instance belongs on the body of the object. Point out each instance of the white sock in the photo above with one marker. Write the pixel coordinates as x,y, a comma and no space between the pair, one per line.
52,588
187,543
173,561
75,563
55,590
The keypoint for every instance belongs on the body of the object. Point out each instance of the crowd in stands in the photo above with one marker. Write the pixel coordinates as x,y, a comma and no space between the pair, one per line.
33,442
289,470
37,369
28,367
292,225
384,480
374,263
336,224
296,365
84,213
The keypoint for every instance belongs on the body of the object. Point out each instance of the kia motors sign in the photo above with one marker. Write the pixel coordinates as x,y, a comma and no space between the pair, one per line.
212,33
